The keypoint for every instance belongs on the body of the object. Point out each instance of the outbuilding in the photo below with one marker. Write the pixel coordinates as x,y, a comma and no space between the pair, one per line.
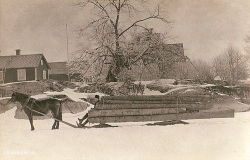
58,71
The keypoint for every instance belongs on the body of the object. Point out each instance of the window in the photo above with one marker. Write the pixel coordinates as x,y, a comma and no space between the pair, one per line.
1,75
21,74
44,74
41,62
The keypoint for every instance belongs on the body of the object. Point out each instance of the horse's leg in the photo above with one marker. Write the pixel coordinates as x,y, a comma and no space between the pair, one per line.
54,124
60,114
30,116
31,122
60,118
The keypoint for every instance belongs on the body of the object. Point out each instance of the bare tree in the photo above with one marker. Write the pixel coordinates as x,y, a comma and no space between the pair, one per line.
203,71
110,34
231,66
197,70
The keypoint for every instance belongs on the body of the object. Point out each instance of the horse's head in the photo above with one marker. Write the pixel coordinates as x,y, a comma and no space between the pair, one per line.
18,97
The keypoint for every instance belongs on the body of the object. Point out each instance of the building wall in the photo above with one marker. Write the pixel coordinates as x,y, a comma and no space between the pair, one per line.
40,69
30,74
10,75
59,77
1,74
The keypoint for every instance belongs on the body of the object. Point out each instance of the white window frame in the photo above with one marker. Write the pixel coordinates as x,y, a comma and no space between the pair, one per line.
41,62
35,73
1,75
44,74
48,73
21,75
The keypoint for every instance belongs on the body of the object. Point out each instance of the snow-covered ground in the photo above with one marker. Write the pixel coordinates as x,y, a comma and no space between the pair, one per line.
217,139
6,84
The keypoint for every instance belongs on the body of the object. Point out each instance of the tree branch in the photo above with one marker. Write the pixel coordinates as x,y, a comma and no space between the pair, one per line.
102,66
94,22
105,11
141,20
112,2
140,56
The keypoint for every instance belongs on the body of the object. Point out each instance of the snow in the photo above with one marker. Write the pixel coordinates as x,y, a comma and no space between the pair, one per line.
179,87
152,92
217,78
70,93
75,96
3,98
143,82
217,139
7,84
166,81
245,81
189,90
148,91
207,85
40,96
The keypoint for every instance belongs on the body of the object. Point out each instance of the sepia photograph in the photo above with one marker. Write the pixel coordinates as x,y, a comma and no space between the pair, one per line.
124,79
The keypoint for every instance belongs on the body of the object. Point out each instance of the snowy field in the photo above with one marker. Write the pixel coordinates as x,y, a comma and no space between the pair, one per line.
216,139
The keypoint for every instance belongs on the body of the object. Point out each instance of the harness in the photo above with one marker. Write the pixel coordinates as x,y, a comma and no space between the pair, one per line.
25,103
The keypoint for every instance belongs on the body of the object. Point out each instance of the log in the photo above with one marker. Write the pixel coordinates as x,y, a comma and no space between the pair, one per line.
153,102
207,114
199,106
154,97
134,112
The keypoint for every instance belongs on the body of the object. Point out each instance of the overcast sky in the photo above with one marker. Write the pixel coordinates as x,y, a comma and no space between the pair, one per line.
205,27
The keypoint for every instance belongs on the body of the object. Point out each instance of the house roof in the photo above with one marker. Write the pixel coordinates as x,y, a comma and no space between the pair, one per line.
174,51
21,61
176,48
58,68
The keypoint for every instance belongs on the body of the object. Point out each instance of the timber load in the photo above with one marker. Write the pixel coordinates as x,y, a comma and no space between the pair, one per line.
112,109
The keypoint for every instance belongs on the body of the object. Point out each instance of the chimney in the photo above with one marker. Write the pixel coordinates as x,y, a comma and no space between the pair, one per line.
18,52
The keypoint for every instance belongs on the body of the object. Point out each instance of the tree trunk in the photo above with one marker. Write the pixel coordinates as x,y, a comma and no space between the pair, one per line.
111,76
115,69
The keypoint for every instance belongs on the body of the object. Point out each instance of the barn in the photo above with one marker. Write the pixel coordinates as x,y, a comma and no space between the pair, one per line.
19,67
58,71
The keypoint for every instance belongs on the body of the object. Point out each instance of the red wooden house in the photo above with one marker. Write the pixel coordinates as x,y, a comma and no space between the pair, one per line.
23,68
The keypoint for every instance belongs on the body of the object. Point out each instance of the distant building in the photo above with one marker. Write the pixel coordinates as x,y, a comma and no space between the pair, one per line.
58,71
23,67
219,81
217,78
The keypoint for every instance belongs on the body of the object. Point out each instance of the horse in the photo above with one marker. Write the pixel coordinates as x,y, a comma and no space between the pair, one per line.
33,107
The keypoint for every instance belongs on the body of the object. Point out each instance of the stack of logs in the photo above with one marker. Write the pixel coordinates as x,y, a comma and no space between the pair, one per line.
112,109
